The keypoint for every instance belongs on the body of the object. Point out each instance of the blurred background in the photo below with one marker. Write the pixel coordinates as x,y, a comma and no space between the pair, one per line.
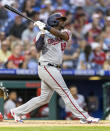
86,64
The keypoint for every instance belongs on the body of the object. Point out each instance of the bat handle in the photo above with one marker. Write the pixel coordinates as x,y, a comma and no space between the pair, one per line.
30,19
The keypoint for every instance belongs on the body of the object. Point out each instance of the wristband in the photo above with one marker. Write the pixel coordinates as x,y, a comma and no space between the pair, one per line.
47,27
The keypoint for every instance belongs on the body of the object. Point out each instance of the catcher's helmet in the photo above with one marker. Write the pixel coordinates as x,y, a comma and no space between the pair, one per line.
53,20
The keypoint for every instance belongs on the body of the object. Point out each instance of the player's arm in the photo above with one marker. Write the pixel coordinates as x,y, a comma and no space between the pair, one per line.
42,26
39,41
62,35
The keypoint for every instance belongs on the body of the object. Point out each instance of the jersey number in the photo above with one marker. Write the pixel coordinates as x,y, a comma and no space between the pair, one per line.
63,45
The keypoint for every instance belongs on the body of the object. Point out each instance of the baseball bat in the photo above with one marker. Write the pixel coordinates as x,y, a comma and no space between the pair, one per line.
18,12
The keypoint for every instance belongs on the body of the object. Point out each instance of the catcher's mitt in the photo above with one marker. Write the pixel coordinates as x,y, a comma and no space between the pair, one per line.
3,92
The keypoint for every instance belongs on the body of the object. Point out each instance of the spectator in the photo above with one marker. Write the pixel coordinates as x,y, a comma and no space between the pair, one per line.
36,16
61,6
2,36
10,103
79,11
44,13
28,7
89,7
10,40
4,2
85,58
34,3
16,59
31,56
49,5
69,58
107,21
79,21
3,12
10,65
19,101
28,34
106,65
78,2
102,5
99,41
82,44
108,12
17,28
71,54
79,99
92,29
92,102
15,5
99,56
4,53
101,16
106,33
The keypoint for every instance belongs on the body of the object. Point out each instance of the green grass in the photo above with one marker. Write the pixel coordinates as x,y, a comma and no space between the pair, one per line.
54,128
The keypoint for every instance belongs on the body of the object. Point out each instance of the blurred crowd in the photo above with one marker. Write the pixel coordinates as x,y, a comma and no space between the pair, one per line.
88,20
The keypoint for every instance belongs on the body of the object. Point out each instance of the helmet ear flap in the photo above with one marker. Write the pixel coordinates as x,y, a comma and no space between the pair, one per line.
56,23
52,22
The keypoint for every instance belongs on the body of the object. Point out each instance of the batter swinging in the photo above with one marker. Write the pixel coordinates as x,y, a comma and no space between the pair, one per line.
51,42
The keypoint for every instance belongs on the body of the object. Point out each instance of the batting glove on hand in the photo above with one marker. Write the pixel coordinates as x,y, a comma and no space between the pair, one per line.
40,25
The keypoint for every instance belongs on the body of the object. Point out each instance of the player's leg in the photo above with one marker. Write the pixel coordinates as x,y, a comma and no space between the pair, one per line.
44,98
55,80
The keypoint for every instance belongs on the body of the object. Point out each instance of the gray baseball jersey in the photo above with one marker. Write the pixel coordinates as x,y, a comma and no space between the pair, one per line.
54,48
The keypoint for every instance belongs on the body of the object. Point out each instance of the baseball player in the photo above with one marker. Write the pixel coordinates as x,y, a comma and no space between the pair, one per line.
51,42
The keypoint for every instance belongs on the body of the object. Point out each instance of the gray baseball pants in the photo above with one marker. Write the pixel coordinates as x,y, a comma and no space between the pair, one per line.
51,80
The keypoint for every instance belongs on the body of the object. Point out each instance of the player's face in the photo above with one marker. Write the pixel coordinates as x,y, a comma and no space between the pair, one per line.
4,46
73,91
13,96
61,23
17,50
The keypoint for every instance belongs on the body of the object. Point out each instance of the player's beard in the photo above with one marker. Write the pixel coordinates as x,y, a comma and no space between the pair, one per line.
61,27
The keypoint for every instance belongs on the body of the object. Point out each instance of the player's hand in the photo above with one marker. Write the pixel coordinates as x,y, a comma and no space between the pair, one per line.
40,25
